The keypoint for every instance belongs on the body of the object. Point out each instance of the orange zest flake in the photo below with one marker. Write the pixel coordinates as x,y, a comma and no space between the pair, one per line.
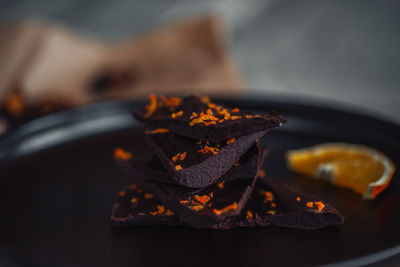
249,215
271,212
148,195
320,206
121,154
134,200
160,210
221,121
194,115
157,131
273,205
230,141
182,156
212,105
175,158
221,184
132,187
249,116
122,193
196,207
211,194
207,123
268,196
235,117
298,199
178,167
230,207
209,149
184,201
152,106
209,112
172,102
14,103
177,114
205,99
235,110
202,118
261,173
310,204
168,212
202,199
224,112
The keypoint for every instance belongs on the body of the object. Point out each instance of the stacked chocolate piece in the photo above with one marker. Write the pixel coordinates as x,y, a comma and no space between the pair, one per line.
206,172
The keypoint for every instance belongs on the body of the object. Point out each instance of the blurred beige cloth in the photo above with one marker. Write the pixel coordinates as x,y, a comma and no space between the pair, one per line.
51,64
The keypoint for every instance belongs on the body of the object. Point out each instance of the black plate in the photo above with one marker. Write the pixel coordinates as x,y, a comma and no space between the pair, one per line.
59,181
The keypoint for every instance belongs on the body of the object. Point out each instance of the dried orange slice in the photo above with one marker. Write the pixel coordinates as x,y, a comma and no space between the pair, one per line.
360,168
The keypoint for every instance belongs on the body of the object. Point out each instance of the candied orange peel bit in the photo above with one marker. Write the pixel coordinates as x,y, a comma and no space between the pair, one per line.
208,149
230,207
230,141
202,199
158,131
360,168
121,154
152,106
249,215
261,173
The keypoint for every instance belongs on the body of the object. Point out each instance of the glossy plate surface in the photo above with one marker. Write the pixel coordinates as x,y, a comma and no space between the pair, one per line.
59,182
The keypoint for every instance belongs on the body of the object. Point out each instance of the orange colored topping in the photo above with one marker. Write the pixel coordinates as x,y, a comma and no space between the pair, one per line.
157,131
14,103
182,156
202,199
250,116
261,173
271,212
310,204
168,212
205,99
221,185
148,195
178,167
194,115
230,141
121,154
122,193
211,194
224,112
273,205
233,206
209,112
207,123
235,117
132,187
175,158
235,110
172,102
221,121
177,114
298,199
134,200
184,201
202,118
268,196
160,210
249,215
209,149
152,106
196,208
139,190
211,105
320,206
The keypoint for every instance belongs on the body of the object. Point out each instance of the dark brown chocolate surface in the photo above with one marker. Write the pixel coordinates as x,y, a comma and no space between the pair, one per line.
288,212
238,124
198,169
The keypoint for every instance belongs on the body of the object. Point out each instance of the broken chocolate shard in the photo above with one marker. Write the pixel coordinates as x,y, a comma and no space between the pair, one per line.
197,164
197,117
136,207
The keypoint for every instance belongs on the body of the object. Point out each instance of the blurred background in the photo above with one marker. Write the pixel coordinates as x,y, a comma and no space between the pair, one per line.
57,54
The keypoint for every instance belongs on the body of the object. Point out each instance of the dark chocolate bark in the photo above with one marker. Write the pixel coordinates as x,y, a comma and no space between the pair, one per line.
134,206
222,124
203,163
291,210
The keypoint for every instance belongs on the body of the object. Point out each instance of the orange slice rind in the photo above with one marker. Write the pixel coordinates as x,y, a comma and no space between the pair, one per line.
365,170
